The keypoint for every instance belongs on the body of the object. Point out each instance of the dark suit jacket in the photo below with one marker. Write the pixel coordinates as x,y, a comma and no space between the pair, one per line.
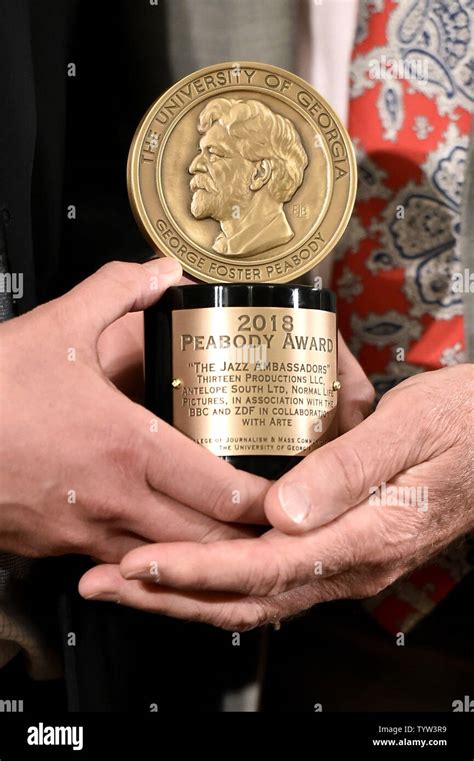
63,150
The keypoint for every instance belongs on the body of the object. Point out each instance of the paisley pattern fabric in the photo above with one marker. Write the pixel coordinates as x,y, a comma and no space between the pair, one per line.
412,98
412,91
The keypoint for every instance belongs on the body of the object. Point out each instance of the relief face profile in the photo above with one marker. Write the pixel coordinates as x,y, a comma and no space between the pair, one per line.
250,162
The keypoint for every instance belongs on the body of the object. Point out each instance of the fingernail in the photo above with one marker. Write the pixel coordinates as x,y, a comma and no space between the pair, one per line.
104,596
164,266
295,501
142,574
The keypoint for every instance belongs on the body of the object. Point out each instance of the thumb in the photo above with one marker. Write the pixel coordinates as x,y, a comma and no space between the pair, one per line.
344,472
118,288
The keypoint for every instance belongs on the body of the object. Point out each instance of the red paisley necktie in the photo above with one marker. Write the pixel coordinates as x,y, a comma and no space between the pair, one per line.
412,96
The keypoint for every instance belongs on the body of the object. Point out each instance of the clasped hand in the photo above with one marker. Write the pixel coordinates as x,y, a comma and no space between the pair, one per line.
333,531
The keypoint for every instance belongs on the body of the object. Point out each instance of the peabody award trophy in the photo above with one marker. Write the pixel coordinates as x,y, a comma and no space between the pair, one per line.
244,174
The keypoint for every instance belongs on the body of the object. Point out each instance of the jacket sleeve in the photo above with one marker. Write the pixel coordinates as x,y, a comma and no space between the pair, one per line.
17,144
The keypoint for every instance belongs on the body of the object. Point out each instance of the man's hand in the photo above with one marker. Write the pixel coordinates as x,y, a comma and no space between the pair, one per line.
84,469
343,544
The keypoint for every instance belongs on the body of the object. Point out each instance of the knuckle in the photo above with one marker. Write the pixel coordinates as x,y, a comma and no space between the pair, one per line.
366,394
347,552
125,453
102,508
409,385
406,397
126,458
276,578
399,529
243,617
123,275
200,615
350,464
429,415
104,551
116,270
73,539
279,579
214,533
373,586
221,501
420,401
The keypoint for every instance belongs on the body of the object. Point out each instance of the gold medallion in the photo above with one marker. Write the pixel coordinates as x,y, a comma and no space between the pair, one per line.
243,173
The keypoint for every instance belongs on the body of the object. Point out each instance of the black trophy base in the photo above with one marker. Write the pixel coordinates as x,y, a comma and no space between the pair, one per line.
158,347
